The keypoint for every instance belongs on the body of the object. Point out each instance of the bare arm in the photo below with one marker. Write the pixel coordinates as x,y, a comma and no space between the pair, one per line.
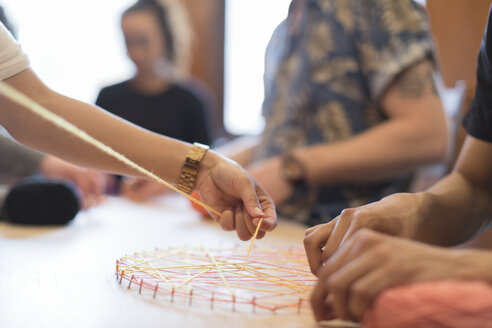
138,144
449,213
460,206
223,184
415,134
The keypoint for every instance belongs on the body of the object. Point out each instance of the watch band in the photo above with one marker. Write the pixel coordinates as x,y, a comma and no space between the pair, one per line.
190,167
293,170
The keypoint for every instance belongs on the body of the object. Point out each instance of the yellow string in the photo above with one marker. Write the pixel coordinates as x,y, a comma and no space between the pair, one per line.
38,109
219,270
249,250
253,239
297,288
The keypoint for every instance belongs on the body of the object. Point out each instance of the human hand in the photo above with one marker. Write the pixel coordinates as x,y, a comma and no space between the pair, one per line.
397,215
229,189
371,262
90,183
267,173
139,189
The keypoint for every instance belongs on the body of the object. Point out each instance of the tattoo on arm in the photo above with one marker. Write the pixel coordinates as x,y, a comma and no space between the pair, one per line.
414,82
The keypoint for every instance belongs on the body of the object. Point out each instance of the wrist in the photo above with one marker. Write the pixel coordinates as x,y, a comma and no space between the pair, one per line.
292,169
211,162
191,167
472,264
425,204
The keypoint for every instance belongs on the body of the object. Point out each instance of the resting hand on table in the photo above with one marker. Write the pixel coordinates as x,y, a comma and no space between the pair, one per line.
370,262
229,189
139,189
90,183
397,215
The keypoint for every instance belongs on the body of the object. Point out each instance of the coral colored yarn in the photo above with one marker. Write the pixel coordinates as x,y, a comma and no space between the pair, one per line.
197,207
446,304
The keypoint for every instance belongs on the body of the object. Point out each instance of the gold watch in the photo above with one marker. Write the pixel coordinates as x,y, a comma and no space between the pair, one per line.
190,167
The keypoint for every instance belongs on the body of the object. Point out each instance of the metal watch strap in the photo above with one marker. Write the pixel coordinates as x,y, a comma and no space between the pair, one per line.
189,171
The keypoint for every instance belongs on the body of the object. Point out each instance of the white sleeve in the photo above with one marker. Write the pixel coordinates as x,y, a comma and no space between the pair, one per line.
12,59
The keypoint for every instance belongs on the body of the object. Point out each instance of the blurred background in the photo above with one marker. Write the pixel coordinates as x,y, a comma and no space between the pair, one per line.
77,47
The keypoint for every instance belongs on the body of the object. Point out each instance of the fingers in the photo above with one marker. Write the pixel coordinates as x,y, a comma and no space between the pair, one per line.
241,227
248,221
224,187
343,222
327,283
244,224
321,310
247,193
83,183
269,221
88,187
238,219
260,234
309,230
365,291
344,274
345,280
226,220
314,242
98,182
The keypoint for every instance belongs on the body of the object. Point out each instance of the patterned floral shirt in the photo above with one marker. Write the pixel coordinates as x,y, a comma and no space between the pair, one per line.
327,66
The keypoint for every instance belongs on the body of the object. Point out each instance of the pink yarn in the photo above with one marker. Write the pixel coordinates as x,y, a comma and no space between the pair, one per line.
445,304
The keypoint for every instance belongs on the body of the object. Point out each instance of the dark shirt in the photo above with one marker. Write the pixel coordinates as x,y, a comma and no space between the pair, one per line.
178,112
478,121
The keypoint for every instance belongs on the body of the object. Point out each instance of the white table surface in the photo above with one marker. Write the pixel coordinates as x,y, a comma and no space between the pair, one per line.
65,276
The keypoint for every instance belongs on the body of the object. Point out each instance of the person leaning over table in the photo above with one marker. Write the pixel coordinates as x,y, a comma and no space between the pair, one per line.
222,184
368,249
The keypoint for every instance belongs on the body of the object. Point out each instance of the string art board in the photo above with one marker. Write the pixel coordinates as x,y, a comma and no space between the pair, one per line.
270,281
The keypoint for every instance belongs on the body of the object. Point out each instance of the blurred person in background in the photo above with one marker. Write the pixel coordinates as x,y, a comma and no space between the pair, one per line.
41,189
161,96
351,107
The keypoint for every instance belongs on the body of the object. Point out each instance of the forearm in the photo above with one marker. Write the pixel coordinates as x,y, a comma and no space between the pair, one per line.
472,264
460,206
149,150
454,210
384,152
17,161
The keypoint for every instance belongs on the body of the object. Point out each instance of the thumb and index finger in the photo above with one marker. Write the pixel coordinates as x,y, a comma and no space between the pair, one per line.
323,240
257,203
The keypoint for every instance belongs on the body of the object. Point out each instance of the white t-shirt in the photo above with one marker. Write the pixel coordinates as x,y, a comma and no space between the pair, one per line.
12,59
